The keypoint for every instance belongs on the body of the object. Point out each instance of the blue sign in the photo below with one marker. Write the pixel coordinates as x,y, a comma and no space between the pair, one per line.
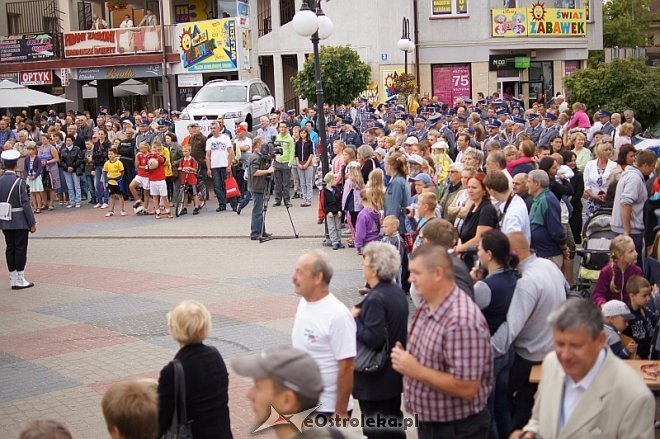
242,9
383,56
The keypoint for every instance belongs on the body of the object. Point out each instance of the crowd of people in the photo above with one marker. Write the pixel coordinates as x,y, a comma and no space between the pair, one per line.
476,210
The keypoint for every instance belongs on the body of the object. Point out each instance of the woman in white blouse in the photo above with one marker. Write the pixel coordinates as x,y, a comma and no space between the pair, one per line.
596,174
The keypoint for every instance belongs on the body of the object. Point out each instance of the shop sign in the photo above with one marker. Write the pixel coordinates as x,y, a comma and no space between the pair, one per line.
56,91
38,77
207,46
13,77
108,42
451,81
508,62
32,47
539,21
119,72
570,67
65,74
190,80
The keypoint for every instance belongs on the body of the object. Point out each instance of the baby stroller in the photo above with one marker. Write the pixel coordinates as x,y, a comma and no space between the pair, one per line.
595,252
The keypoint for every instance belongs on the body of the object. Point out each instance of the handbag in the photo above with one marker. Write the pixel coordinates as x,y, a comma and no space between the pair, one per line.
179,428
371,361
368,360
5,207
231,187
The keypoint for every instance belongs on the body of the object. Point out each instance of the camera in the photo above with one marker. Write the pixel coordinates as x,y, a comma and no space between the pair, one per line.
272,149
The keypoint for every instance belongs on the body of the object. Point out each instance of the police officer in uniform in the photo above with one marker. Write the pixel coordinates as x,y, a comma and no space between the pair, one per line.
419,130
550,129
493,127
22,221
348,135
534,129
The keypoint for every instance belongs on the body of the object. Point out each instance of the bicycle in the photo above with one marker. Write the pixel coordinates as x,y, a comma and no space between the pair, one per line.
184,188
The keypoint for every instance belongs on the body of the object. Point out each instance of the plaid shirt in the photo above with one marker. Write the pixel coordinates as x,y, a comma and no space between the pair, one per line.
453,339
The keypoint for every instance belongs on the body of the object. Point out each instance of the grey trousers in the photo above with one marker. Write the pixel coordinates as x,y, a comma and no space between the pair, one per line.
281,182
334,228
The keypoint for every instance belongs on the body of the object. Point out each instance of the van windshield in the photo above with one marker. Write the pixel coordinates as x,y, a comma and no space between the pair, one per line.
227,93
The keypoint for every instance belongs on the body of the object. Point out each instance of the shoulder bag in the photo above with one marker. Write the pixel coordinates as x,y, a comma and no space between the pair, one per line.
179,428
5,207
371,361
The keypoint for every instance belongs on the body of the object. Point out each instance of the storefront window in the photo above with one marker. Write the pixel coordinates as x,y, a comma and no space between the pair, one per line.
449,7
540,81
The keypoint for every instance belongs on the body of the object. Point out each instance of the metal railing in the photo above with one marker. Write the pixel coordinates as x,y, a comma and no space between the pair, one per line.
264,17
33,16
287,11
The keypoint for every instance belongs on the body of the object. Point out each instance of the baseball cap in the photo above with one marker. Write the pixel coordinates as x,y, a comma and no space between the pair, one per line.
291,367
241,129
423,177
617,308
412,140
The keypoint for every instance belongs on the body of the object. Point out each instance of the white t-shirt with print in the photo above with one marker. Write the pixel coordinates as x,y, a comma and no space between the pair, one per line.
326,330
219,147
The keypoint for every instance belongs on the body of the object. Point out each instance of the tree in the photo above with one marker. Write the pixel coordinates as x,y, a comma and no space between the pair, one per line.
618,86
343,74
626,23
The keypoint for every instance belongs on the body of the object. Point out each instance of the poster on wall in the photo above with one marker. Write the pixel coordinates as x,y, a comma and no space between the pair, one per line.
451,81
26,47
245,44
208,45
509,22
126,41
387,83
538,21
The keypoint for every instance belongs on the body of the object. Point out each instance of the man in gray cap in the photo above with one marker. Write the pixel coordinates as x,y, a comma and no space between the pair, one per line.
287,381
16,220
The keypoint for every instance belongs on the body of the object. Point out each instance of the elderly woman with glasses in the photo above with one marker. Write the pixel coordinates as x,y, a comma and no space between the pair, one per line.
596,174
381,320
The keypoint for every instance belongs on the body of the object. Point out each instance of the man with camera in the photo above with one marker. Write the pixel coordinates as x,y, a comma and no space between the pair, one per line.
260,169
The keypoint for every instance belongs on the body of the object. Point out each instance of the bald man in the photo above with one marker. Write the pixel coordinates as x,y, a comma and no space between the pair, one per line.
521,189
541,289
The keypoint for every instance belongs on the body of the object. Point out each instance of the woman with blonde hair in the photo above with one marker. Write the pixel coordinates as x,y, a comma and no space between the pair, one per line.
624,137
596,174
578,140
580,118
377,186
206,377
351,202
400,132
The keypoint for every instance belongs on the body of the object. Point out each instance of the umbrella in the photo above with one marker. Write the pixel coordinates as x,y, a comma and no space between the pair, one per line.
131,88
14,95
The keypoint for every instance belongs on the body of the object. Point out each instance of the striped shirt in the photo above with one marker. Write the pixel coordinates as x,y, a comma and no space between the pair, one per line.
454,339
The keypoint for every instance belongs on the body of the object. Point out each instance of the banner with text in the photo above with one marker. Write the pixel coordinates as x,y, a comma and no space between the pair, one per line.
127,41
539,21
26,47
208,46
451,81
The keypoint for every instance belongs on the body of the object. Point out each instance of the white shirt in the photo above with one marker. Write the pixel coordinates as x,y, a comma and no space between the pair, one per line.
573,391
516,218
326,330
219,147
126,23
592,176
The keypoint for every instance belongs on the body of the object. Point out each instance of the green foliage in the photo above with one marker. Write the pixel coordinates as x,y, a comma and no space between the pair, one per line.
626,23
595,57
405,84
343,74
617,86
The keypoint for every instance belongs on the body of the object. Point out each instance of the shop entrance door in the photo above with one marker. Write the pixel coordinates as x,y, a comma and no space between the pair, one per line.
509,87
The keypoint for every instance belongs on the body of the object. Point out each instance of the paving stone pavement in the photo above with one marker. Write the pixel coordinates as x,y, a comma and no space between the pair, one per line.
104,285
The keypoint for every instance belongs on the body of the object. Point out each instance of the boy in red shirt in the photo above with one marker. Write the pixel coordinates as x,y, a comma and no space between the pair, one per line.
142,178
188,168
157,186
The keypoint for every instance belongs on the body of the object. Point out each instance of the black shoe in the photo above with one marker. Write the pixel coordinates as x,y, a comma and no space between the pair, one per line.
254,238
287,204
296,195
220,209
234,208
137,204
277,203
196,211
184,211
238,210
266,235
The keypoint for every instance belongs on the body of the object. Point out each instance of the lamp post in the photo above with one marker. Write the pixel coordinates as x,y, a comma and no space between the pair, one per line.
405,44
310,21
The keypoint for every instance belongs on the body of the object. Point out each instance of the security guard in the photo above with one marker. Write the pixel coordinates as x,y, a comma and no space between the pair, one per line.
22,222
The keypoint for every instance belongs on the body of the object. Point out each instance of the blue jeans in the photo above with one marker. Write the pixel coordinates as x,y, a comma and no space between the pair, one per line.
306,183
73,186
498,400
245,199
91,186
257,224
83,186
99,182
219,175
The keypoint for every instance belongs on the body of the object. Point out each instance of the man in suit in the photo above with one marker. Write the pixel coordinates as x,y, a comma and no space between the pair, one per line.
585,390
21,224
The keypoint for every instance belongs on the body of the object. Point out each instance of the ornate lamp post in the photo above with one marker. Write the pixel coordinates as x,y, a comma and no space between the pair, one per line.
405,44
310,21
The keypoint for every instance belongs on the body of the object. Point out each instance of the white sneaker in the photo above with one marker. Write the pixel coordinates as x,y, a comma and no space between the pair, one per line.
104,206
97,205
123,213
69,206
21,282
77,206
111,213
13,277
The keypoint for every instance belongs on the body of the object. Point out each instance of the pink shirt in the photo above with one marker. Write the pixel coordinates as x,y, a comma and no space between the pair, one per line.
580,119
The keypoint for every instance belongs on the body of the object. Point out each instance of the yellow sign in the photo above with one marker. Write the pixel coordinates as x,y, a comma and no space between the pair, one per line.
208,45
539,21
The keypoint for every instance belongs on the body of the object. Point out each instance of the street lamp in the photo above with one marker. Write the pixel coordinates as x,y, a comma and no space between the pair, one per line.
405,44
310,21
